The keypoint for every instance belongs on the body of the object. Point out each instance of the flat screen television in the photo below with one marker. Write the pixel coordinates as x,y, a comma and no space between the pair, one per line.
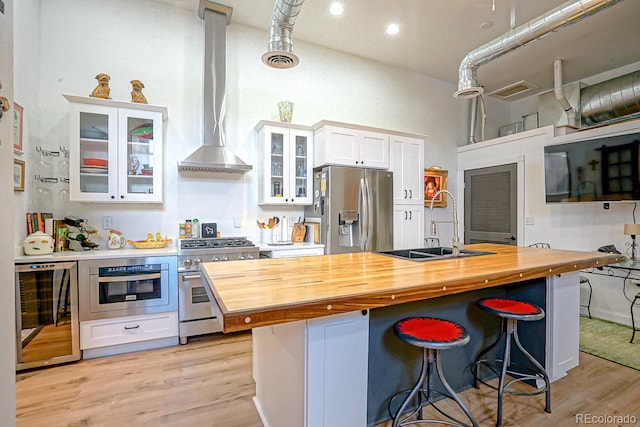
594,170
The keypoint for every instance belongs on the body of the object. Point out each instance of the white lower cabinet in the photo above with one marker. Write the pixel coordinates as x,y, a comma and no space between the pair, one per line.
408,226
319,368
108,334
563,324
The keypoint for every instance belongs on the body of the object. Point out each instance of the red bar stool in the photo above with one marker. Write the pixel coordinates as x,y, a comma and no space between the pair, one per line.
510,311
432,335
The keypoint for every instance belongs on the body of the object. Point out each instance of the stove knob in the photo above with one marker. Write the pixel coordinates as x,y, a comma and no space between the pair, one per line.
215,259
197,261
187,262
225,258
250,256
241,257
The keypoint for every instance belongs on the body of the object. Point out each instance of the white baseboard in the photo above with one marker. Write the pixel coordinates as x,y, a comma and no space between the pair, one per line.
256,402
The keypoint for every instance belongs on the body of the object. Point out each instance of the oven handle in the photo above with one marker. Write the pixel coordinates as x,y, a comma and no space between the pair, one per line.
111,279
190,277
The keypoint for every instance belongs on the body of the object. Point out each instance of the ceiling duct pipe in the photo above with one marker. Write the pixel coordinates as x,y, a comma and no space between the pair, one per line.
612,100
213,155
563,15
280,48
559,92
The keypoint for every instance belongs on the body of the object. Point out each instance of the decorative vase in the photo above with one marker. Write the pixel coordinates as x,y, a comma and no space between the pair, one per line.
285,108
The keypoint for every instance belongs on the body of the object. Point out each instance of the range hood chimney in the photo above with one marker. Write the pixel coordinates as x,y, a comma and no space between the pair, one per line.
213,155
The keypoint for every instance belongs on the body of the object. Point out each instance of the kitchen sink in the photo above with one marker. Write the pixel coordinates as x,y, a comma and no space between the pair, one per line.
432,254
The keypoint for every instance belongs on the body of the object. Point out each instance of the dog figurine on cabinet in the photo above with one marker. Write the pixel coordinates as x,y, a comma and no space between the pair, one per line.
102,90
136,92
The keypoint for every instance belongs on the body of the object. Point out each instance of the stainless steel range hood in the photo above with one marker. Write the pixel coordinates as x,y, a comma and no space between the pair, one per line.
213,155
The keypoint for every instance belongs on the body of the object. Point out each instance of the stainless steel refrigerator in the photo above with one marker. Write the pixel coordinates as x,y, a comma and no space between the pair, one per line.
354,207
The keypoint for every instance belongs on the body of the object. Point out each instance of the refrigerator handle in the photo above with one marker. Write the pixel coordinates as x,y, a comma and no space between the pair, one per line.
362,207
369,216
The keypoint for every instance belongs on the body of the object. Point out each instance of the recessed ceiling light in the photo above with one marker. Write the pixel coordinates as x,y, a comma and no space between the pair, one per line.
336,9
486,25
393,29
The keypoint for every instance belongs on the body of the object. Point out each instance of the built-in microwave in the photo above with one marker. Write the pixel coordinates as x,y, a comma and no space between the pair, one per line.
111,288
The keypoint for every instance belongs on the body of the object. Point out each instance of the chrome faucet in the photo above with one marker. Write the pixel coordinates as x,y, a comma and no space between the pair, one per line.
456,244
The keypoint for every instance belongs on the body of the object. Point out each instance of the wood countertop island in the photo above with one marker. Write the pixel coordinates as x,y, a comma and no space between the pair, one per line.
321,325
249,294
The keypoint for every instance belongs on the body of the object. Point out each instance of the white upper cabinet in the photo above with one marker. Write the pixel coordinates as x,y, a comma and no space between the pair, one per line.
345,146
407,165
115,151
287,158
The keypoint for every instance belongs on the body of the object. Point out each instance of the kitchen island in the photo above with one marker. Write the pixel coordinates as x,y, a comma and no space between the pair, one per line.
321,325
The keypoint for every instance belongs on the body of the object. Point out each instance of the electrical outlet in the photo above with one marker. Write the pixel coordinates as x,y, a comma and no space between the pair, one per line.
529,220
106,223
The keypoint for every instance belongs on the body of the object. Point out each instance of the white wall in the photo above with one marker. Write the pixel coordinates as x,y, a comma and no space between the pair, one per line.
7,285
165,51
577,226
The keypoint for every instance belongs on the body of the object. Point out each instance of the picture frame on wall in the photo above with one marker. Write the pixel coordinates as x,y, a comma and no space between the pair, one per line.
18,175
18,118
435,180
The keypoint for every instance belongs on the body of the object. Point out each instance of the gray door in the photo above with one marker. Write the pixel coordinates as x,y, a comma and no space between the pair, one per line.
490,205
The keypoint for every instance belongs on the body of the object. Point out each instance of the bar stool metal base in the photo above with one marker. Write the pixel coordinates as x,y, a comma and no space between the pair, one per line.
503,367
586,280
425,394
633,322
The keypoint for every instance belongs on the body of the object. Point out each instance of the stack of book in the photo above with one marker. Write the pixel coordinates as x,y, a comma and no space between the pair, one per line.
56,228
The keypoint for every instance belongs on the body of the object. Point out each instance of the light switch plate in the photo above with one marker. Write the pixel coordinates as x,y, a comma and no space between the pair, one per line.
106,223
236,222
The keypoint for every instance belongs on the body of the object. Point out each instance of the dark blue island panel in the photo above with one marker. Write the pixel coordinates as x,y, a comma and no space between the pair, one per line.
395,365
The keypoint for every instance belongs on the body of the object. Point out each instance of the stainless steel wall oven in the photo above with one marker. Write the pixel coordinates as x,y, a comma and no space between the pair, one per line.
46,314
111,288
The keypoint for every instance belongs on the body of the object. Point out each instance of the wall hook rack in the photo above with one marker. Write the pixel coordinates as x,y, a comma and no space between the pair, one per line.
45,179
47,152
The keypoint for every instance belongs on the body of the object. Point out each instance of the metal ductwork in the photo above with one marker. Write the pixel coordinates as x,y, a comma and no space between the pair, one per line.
563,15
280,49
213,155
612,100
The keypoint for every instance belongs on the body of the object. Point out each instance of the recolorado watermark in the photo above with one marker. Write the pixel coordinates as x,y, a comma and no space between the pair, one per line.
605,419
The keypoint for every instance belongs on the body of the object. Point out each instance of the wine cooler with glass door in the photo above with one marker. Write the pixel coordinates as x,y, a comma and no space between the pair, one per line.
46,314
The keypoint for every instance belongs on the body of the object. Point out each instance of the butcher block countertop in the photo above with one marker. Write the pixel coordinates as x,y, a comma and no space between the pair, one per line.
255,293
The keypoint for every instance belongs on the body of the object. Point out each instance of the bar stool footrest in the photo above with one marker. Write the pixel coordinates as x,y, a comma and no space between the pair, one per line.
424,393
495,366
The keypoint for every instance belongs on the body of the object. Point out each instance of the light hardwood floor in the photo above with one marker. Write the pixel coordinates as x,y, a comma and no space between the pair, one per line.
208,382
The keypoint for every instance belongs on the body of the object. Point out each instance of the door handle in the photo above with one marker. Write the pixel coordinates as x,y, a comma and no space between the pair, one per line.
512,238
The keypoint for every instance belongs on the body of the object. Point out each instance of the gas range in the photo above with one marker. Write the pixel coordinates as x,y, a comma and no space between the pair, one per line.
191,252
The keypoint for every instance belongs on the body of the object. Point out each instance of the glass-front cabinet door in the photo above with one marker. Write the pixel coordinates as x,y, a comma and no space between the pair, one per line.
93,155
115,153
300,152
141,156
287,155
